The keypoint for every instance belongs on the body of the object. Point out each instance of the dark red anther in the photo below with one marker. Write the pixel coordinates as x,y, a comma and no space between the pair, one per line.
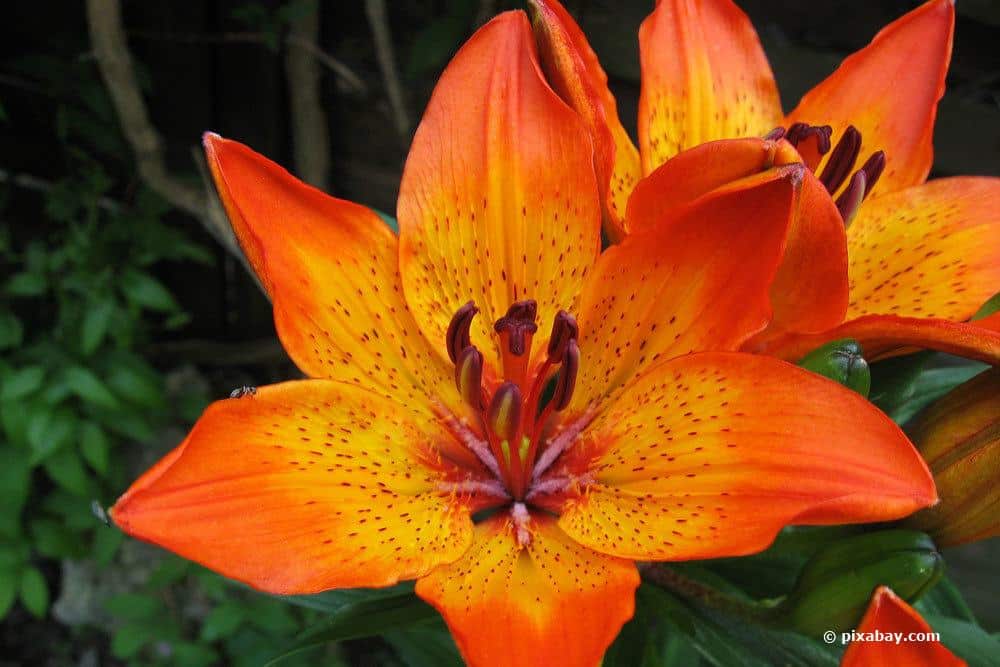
566,381
850,199
873,168
775,134
800,132
457,337
504,415
564,329
469,377
517,324
842,160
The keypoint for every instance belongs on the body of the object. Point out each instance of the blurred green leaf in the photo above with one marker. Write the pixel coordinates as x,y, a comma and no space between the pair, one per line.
945,600
903,386
190,654
95,447
967,640
66,469
95,324
144,290
107,539
15,483
223,620
362,619
34,592
139,384
85,384
22,382
11,331
54,540
49,431
129,639
134,606
169,571
26,284
427,644
10,583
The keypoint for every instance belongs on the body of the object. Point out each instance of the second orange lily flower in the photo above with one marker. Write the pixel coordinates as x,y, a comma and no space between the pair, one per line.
429,354
917,259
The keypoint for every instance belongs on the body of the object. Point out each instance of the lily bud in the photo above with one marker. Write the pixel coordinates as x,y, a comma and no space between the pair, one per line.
504,415
842,362
959,437
469,376
834,587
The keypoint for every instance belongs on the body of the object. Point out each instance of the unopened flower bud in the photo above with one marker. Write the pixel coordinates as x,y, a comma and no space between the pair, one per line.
842,362
959,437
833,588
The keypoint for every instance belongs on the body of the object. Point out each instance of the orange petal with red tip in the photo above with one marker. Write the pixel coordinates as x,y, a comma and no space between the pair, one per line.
704,77
330,267
499,201
889,91
888,613
698,281
711,454
810,290
883,336
306,486
932,250
547,602
575,73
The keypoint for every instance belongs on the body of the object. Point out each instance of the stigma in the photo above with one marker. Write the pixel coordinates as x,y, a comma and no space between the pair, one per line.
816,141
515,405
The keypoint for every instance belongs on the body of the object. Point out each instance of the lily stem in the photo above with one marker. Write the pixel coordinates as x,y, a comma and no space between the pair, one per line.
762,612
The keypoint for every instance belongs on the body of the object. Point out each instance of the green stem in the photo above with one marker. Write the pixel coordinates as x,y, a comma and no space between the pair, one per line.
664,576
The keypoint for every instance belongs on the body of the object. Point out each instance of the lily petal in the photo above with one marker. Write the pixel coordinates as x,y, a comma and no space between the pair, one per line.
698,281
912,53
883,336
549,602
810,290
330,267
704,77
499,201
932,250
575,73
302,487
710,455
888,613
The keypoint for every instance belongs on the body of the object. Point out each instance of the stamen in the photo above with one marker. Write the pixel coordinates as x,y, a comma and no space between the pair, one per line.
561,442
564,330
775,134
521,518
469,377
873,168
457,338
557,484
800,132
566,381
504,415
841,160
475,444
489,487
849,201
517,325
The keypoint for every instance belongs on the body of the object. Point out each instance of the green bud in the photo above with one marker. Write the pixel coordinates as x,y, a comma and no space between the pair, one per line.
836,584
842,362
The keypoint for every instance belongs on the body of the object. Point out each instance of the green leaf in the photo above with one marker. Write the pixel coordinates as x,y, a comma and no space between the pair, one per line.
11,331
138,383
190,654
332,602
22,382
144,290
903,386
363,619
944,599
34,592
129,639
10,582
95,325
107,539
15,483
52,539
223,621
66,469
26,284
49,431
85,384
134,606
95,447
967,640
427,644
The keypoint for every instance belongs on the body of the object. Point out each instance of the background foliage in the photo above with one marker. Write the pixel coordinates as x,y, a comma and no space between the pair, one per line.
121,316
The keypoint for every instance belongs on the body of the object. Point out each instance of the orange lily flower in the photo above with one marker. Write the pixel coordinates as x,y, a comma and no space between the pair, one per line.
429,354
917,259
887,619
